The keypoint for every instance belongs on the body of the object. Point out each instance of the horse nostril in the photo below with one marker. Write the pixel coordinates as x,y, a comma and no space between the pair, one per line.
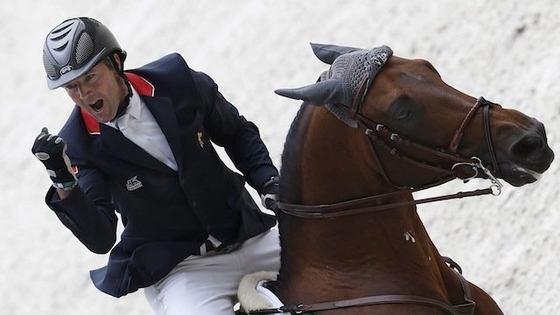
527,146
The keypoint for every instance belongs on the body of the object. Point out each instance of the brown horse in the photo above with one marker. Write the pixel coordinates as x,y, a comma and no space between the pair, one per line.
352,241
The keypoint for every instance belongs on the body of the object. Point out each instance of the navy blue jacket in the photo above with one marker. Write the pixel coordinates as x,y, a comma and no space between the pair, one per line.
166,214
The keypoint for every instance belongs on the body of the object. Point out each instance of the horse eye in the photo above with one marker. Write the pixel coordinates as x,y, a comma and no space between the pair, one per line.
402,113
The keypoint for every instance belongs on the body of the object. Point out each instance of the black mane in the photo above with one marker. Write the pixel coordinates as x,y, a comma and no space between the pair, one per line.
290,166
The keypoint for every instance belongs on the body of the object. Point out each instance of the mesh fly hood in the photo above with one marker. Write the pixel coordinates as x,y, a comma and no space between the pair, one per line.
352,68
352,72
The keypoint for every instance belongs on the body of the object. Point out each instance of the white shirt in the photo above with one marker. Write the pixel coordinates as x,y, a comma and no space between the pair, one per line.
139,126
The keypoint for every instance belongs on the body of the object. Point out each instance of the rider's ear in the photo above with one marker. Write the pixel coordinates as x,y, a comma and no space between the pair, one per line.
117,61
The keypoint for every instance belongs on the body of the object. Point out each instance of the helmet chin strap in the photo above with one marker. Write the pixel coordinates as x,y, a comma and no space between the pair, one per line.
120,70
124,103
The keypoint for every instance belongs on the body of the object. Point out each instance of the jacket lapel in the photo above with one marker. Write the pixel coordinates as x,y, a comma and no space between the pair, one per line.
116,144
163,111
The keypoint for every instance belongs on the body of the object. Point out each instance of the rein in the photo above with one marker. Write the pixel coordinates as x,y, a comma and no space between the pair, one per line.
372,204
380,135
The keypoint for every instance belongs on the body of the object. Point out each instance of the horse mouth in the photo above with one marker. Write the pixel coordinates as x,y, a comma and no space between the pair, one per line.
518,176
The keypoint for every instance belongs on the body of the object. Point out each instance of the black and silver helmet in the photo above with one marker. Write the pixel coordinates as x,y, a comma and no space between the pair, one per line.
74,47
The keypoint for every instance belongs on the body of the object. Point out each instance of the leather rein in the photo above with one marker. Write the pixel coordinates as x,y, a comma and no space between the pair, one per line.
384,138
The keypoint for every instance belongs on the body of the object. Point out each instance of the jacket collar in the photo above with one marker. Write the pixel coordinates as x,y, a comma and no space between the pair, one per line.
141,85
116,144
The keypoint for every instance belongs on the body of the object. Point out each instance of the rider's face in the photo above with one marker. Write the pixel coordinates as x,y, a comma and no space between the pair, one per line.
99,91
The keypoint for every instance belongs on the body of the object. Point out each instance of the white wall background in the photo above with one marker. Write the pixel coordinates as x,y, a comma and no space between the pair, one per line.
508,51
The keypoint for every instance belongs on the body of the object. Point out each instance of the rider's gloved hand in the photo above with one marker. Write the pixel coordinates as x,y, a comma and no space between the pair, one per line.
51,151
269,194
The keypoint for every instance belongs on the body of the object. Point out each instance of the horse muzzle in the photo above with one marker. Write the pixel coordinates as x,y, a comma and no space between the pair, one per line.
529,157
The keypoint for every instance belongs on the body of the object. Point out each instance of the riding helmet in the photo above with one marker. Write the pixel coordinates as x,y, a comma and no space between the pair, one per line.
74,47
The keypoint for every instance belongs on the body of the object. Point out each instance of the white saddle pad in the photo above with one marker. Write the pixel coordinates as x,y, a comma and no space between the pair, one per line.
253,296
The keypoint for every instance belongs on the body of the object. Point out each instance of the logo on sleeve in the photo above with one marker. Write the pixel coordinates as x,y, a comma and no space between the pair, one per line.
133,183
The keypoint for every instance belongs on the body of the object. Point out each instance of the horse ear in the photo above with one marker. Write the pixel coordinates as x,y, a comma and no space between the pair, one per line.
320,93
328,53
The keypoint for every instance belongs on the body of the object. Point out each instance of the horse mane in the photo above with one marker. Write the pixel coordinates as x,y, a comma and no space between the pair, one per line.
289,184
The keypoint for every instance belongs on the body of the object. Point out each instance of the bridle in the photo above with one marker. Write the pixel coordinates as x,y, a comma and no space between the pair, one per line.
381,138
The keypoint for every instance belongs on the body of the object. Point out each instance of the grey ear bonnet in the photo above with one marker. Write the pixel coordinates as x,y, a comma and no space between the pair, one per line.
340,84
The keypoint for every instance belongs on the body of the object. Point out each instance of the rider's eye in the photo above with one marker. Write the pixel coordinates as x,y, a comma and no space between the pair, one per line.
70,87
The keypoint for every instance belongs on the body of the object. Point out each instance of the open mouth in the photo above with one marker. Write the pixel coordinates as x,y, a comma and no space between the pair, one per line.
97,106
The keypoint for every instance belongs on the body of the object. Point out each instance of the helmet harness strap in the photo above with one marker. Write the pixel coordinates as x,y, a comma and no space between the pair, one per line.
120,70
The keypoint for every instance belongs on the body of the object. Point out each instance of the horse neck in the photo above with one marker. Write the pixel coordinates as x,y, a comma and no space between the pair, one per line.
334,165
358,255
335,162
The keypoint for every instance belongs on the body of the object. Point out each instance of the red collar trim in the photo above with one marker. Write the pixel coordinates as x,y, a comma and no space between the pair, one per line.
141,85
92,125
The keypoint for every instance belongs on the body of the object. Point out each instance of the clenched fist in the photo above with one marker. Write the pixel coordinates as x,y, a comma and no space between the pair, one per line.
51,151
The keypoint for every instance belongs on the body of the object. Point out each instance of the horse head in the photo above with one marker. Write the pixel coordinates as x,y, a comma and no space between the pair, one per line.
424,131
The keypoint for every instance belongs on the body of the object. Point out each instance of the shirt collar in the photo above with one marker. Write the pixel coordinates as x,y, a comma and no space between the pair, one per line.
134,111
